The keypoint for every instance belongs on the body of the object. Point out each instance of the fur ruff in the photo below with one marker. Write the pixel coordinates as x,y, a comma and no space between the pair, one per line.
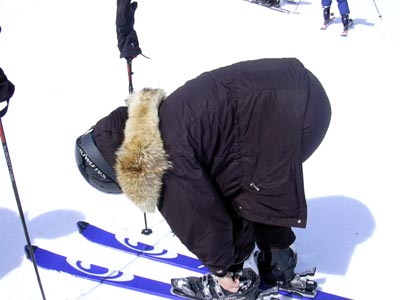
141,161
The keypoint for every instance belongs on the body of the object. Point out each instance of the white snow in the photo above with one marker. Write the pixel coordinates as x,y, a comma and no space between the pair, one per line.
63,58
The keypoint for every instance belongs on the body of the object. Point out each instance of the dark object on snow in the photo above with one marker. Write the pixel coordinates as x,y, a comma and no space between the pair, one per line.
6,92
128,42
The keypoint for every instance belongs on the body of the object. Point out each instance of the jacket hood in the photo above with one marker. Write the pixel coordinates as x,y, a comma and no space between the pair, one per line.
141,160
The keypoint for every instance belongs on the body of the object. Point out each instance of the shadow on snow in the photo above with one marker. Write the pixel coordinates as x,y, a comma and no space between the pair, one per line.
49,225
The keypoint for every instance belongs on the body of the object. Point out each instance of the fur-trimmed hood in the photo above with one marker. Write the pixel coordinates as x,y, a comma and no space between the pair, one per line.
141,161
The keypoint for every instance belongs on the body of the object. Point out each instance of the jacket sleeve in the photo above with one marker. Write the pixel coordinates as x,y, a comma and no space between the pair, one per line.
196,214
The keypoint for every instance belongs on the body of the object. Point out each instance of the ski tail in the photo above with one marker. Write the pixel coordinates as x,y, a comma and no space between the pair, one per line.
53,261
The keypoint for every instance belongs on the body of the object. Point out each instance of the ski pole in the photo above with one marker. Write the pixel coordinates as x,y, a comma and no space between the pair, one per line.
146,231
380,16
20,210
129,66
297,5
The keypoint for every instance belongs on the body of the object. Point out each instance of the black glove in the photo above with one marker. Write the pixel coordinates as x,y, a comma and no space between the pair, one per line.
128,42
6,92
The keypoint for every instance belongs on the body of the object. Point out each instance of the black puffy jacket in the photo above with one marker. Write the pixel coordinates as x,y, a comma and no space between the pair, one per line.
232,137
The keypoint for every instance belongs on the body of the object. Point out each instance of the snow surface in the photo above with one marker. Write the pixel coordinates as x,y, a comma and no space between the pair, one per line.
62,57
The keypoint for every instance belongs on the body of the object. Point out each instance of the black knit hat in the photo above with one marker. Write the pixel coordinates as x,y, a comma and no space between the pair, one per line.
108,133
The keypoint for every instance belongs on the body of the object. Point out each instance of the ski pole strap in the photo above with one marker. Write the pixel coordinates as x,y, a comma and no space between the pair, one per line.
4,110
6,92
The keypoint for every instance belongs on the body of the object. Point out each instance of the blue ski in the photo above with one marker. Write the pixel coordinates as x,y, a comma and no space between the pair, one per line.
53,261
106,238
103,237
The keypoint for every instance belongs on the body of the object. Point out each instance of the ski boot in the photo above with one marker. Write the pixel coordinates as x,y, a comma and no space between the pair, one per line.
207,287
277,268
347,22
328,17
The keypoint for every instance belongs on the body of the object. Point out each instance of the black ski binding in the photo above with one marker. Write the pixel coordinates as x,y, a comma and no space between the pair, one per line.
301,285
269,294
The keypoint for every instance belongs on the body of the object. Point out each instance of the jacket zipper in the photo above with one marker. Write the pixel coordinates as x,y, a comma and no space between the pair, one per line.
253,185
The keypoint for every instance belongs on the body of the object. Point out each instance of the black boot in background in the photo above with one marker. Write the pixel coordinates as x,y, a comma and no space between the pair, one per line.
327,14
346,22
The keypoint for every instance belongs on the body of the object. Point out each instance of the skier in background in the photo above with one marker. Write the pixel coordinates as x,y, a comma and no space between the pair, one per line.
221,158
343,9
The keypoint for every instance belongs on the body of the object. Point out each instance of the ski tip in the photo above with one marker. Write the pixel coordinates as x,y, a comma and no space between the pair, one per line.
82,225
29,251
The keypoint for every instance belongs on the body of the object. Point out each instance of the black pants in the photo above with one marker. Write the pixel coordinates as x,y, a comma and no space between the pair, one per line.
316,122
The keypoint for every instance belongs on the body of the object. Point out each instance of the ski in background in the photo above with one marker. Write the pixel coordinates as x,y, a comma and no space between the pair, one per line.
274,7
331,19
